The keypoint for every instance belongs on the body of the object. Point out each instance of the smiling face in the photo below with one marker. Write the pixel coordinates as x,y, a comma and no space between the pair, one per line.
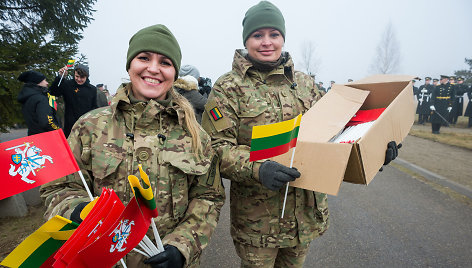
265,44
79,79
151,75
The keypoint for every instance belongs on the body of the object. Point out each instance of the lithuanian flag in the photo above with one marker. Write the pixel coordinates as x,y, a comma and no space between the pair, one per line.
274,139
38,248
70,63
143,195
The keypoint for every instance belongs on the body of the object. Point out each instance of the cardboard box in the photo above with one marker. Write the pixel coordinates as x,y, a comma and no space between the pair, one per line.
325,165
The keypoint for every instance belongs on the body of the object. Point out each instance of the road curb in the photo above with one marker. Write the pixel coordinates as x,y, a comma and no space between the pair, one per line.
436,178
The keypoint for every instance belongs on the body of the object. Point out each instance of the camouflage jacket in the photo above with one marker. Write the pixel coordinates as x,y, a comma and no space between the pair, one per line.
109,143
241,99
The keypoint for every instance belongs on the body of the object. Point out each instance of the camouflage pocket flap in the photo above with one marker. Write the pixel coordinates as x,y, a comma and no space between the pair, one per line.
105,162
252,107
187,162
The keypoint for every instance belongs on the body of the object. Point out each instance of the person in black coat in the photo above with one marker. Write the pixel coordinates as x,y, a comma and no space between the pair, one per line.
468,110
79,95
441,103
424,101
38,107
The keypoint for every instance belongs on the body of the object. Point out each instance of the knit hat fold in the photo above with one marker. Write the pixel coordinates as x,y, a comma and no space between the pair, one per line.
263,15
158,39
31,77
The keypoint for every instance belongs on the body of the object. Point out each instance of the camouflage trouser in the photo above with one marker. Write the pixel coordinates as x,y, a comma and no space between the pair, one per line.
293,257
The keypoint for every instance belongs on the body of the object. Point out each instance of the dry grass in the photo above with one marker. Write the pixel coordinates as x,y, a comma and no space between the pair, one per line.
459,137
463,140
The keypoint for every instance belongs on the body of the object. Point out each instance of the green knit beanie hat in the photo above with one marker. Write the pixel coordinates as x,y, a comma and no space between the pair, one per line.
158,39
262,15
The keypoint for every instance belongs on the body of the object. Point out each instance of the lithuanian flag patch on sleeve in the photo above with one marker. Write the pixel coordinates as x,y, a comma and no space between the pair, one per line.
216,114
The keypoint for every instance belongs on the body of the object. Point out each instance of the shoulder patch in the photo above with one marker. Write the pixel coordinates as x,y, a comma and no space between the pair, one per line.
216,116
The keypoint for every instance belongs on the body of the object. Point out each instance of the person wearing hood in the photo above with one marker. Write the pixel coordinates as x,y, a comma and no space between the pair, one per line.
79,95
148,123
38,106
187,86
262,88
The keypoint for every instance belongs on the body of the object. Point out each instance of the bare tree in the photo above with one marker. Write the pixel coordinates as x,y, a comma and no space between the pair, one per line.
310,62
387,57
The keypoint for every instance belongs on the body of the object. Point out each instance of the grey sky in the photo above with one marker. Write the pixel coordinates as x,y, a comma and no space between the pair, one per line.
434,36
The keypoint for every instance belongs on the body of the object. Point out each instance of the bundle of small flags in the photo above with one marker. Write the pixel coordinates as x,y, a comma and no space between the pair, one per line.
109,231
359,124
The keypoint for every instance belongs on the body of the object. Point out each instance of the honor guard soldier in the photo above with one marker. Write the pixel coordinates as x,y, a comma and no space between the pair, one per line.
424,101
458,106
441,104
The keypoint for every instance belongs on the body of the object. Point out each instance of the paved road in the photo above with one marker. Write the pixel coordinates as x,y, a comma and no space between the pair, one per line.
396,221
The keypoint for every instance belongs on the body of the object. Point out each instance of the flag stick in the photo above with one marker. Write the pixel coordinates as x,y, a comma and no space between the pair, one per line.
141,252
286,189
62,76
146,248
156,236
85,184
152,249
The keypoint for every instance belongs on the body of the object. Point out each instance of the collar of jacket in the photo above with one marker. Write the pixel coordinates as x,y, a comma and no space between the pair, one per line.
121,101
185,83
242,66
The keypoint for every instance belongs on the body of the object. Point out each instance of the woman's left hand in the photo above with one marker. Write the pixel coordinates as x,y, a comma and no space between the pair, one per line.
169,258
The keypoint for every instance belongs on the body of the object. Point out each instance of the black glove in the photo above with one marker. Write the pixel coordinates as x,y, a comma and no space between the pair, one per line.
274,175
75,216
170,257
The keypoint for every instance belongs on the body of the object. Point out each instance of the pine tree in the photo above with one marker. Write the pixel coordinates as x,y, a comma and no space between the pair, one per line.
40,35
467,74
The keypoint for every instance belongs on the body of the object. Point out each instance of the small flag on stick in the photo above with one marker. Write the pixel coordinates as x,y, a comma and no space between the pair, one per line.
34,160
274,139
70,63
38,249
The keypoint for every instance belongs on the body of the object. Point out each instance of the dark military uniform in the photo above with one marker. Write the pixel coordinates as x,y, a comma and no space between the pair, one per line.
442,99
424,102
468,110
109,143
241,99
458,107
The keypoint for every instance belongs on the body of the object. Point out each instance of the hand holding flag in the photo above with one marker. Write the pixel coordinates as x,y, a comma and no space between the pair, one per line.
69,64
275,139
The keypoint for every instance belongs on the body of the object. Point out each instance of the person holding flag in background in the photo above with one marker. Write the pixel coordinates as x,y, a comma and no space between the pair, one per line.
263,88
79,95
147,123
38,106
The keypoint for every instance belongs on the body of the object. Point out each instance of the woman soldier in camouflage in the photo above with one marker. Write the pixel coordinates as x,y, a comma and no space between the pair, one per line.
263,88
148,123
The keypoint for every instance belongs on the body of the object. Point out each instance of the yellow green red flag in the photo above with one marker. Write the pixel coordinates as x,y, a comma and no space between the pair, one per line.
70,63
274,139
38,248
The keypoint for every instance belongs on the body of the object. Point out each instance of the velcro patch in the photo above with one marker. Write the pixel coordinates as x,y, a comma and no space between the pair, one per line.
216,114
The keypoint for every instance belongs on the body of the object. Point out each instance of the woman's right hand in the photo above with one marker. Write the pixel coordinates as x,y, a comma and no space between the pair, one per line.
274,175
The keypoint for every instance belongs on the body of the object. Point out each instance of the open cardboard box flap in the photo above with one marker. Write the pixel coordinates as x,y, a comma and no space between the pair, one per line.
324,165
315,158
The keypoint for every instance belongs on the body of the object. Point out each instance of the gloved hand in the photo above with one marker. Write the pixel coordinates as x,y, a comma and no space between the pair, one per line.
274,175
75,216
392,152
424,90
169,258
449,109
432,108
